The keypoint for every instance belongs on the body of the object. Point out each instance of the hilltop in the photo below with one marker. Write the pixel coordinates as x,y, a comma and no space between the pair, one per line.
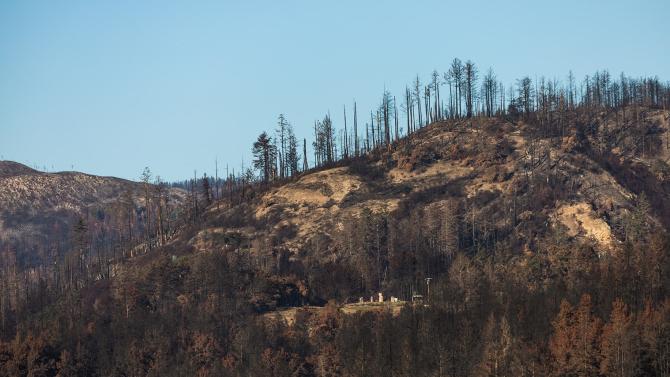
11,168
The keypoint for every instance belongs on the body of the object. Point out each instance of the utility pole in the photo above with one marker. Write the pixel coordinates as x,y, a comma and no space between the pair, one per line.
428,286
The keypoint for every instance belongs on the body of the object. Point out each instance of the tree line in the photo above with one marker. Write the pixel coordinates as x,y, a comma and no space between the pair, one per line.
458,93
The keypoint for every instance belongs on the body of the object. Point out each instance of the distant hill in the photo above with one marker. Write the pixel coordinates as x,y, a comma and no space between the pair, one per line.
37,209
23,188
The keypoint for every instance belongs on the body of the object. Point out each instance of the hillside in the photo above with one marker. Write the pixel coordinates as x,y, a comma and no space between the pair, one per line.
522,240
476,185
38,210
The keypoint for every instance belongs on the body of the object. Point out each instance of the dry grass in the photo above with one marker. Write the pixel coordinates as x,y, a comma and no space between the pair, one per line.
313,190
439,169
366,307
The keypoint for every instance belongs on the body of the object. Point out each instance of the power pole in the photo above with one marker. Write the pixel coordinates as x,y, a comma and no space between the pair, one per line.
428,286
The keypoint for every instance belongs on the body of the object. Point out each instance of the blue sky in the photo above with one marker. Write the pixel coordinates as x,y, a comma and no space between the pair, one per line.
112,86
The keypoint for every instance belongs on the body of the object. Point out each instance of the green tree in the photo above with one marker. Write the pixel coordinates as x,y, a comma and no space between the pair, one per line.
264,155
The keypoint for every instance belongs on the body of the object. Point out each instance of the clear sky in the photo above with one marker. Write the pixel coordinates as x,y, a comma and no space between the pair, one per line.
112,86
